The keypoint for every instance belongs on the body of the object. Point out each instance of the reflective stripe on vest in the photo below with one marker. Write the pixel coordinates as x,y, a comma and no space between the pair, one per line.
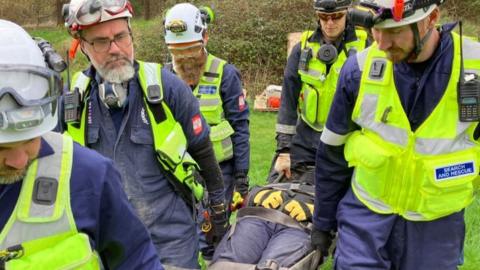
168,136
421,175
211,106
318,87
42,221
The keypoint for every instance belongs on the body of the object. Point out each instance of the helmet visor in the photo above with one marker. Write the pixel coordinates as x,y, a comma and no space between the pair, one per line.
29,85
90,12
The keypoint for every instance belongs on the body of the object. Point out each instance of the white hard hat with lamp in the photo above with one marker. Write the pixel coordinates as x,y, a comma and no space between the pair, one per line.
184,23
29,89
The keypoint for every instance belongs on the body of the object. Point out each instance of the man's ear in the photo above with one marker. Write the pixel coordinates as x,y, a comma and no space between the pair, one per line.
205,38
433,18
82,48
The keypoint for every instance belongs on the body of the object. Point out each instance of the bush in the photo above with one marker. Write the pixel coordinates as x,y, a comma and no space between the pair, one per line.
251,34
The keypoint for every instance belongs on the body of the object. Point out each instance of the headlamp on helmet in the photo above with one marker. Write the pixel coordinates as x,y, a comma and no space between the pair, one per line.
185,23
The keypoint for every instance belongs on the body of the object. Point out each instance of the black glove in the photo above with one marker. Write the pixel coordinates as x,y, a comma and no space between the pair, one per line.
321,240
218,215
241,183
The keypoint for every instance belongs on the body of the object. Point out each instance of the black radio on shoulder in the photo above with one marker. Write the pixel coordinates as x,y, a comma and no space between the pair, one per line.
71,106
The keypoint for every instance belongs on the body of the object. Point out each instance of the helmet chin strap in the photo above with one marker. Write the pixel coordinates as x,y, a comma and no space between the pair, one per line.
419,43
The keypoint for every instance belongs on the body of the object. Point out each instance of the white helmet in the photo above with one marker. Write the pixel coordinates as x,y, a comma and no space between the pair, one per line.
28,88
83,13
184,23
395,13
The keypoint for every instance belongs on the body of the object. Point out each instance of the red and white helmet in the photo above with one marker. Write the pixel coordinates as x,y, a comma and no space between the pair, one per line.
396,13
80,14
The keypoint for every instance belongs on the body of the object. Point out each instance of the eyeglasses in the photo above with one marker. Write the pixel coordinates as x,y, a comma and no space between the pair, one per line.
101,45
91,11
331,16
186,52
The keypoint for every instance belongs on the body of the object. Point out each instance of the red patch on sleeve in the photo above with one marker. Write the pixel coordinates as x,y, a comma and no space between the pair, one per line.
241,102
197,124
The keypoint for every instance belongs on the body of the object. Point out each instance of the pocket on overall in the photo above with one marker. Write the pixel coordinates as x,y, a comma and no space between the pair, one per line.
373,163
220,135
142,154
73,252
448,181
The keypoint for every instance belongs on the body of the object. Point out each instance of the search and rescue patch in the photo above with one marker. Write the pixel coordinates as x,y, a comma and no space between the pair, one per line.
454,171
176,26
207,89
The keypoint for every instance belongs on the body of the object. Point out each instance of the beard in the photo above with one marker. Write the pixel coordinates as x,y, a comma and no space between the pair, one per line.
116,69
10,176
190,69
397,55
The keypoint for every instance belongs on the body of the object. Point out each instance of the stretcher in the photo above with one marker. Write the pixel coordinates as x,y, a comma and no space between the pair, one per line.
309,262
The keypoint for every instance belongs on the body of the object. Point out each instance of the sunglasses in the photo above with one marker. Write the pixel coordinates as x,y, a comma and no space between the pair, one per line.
330,16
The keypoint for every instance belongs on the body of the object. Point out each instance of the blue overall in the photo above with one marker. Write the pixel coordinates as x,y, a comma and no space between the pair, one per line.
125,136
100,209
367,240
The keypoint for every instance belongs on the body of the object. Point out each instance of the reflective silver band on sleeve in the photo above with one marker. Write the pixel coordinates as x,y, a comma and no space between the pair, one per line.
331,138
286,129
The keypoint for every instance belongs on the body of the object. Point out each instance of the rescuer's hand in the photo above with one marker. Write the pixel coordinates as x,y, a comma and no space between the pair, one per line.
219,221
321,240
282,164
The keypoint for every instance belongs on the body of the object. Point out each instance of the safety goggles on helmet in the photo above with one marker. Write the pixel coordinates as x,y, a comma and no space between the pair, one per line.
90,12
35,89
29,85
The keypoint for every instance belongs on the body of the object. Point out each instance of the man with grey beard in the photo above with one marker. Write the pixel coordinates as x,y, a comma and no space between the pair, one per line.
147,121
62,204
218,88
